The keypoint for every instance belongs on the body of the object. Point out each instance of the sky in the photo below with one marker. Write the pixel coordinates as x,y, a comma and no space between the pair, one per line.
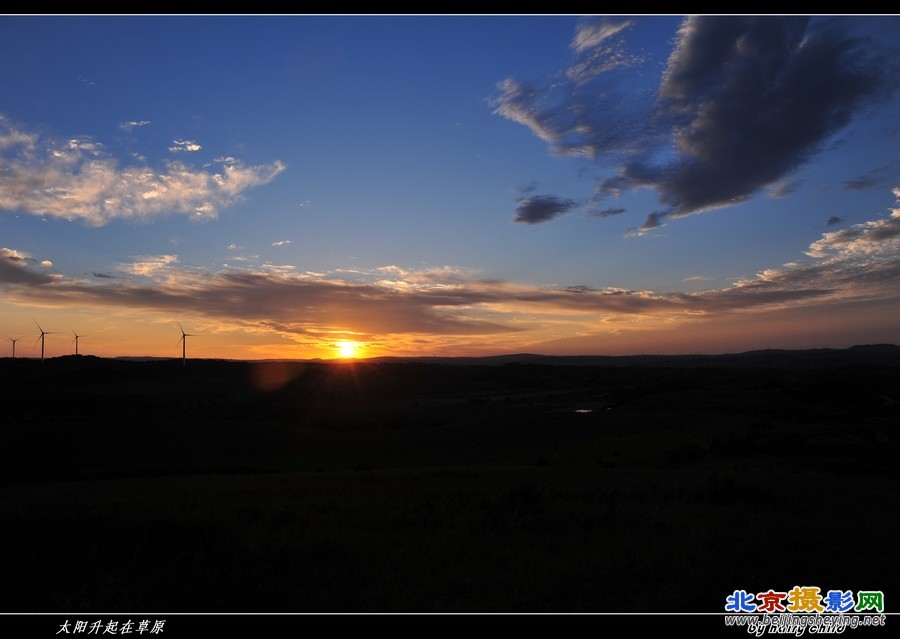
330,186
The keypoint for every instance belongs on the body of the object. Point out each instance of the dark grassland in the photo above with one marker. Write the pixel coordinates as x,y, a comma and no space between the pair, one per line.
417,486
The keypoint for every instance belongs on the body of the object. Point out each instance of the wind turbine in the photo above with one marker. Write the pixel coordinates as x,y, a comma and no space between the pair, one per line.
14,344
76,340
183,342
41,337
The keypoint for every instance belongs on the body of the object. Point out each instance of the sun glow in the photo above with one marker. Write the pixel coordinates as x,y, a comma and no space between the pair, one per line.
348,350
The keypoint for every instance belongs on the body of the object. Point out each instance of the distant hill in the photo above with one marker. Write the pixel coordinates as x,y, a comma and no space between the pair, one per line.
863,354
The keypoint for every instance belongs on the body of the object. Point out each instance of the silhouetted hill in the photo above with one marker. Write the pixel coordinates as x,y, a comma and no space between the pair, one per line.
866,354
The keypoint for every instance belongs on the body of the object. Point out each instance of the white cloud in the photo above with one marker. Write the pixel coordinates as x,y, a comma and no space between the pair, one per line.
281,243
149,265
46,263
10,137
439,275
130,126
78,179
875,238
205,210
590,35
14,255
282,269
184,145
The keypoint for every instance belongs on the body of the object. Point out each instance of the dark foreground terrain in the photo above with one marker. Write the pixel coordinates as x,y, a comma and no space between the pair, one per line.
643,484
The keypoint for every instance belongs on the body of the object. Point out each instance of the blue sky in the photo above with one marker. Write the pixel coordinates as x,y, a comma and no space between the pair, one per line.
449,185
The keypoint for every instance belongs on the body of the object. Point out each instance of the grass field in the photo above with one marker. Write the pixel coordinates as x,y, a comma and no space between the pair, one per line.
426,487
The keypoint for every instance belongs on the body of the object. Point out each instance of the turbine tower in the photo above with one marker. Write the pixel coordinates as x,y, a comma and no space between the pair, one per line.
41,337
14,344
76,340
183,342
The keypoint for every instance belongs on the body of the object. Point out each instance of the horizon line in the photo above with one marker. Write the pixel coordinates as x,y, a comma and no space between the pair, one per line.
520,354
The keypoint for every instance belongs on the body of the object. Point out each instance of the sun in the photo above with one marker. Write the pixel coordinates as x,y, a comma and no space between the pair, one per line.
348,350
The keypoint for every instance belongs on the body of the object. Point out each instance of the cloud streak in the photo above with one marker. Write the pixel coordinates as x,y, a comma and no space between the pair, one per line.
873,177
602,214
133,124
852,266
591,35
179,146
79,179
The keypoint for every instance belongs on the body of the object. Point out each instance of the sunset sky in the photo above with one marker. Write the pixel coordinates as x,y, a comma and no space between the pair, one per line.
448,185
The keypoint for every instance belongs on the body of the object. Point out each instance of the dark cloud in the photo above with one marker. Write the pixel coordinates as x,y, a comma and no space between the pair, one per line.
834,219
542,208
873,177
753,99
861,182
743,103
311,306
14,268
604,213
108,276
